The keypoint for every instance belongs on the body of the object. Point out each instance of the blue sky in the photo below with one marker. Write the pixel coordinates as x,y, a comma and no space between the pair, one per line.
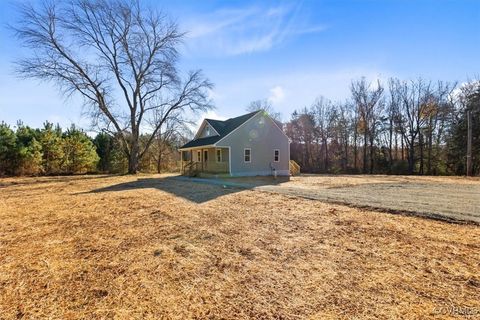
289,52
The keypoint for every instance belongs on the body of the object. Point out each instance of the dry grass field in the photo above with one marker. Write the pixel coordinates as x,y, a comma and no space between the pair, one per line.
151,247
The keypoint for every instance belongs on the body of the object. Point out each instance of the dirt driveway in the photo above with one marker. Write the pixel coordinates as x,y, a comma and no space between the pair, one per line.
445,198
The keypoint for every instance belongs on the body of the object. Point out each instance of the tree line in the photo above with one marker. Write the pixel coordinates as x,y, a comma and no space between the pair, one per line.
405,127
54,151
28,151
397,127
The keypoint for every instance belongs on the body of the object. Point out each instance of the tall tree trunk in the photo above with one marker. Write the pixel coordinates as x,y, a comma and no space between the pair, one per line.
390,145
326,155
365,146
403,153
159,162
429,149
420,137
304,157
133,163
411,157
372,151
346,154
355,150
396,146
133,158
307,155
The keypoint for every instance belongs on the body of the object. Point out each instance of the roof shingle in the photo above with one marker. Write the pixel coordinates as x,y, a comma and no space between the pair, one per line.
222,127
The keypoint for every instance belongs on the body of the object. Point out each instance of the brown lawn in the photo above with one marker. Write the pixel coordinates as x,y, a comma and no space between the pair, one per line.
150,247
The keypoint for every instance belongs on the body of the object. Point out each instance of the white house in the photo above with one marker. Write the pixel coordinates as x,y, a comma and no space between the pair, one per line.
249,145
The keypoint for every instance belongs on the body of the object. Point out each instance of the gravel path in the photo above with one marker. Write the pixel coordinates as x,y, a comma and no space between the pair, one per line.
458,202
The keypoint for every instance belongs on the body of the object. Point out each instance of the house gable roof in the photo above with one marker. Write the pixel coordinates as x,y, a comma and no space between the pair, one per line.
204,124
222,127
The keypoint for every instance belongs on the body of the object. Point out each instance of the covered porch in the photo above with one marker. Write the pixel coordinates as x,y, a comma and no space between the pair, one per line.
210,160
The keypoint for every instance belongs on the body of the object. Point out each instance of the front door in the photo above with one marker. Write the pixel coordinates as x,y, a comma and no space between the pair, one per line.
205,158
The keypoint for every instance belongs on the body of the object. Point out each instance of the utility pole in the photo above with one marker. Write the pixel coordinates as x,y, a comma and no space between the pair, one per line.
469,143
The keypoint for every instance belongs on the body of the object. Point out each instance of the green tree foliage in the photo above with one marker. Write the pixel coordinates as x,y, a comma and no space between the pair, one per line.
112,159
49,150
29,151
52,148
104,144
8,150
79,152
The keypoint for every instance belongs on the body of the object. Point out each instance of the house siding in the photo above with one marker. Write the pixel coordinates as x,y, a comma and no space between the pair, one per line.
211,165
262,136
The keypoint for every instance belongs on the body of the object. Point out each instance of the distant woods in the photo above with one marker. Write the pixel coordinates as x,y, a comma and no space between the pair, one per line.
49,150
54,151
401,127
398,127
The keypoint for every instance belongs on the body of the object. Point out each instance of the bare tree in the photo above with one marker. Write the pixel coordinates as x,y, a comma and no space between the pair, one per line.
420,122
323,112
366,99
415,101
437,113
266,106
175,129
301,130
120,57
345,118
392,111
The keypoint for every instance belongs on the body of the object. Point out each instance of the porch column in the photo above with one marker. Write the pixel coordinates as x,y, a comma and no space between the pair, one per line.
181,161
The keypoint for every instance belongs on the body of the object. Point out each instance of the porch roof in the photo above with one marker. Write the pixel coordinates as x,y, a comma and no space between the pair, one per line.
201,142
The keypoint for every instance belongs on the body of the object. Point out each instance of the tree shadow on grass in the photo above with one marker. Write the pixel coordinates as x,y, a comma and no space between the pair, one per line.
192,189
24,181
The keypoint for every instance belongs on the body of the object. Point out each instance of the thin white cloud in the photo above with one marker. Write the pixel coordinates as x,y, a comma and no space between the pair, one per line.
246,30
312,29
203,26
277,95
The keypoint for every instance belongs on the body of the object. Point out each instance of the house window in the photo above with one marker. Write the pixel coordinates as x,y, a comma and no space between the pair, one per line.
205,155
219,155
247,155
199,156
276,155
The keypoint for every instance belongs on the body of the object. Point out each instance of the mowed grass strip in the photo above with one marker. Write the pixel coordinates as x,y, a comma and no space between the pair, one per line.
151,247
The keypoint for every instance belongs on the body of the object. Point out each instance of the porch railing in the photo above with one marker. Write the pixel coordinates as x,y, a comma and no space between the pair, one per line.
194,167
294,168
191,168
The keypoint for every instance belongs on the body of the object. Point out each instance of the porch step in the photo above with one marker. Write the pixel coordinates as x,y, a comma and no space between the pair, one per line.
294,167
190,169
